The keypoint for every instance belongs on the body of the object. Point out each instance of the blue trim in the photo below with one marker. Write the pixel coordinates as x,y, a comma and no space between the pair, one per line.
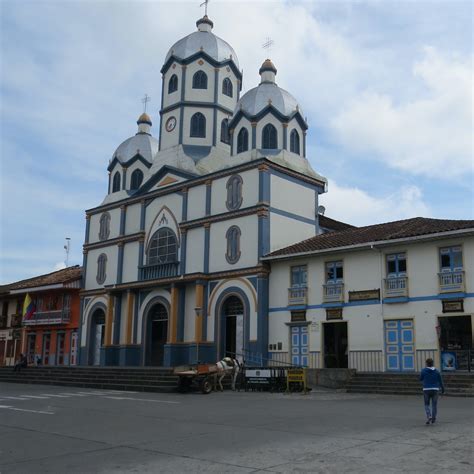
127,164
219,319
181,313
181,122
183,86
401,299
88,226
214,126
269,109
204,311
136,305
142,215
316,207
254,136
262,316
141,251
182,262
120,264
208,199
253,281
207,239
285,137
117,319
292,179
197,104
304,144
84,268
290,215
161,115
263,236
123,217
264,186
129,355
212,285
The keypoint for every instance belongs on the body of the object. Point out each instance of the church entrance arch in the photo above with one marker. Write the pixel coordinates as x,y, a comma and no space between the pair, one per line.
156,334
97,334
233,317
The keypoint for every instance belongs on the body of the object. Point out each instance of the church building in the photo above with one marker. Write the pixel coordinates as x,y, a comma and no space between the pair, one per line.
173,269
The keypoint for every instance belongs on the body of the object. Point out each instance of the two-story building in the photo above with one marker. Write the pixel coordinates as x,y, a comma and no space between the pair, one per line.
50,332
376,298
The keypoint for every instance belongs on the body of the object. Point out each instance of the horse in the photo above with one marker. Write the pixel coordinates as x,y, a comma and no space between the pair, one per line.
227,366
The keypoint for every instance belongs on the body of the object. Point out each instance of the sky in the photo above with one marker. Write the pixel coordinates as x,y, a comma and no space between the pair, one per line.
386,87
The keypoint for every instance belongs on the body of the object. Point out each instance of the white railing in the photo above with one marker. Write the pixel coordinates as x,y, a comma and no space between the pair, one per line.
451,281
59,316
160,270
422,355
333,292
396,287
297,295
366,361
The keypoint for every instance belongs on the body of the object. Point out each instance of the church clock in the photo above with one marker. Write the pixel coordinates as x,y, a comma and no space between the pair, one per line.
170,124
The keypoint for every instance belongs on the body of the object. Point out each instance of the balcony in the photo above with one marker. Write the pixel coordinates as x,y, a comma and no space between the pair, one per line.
160,270
396,287
297,296
58,316
333,293
16,321
3,321
451,282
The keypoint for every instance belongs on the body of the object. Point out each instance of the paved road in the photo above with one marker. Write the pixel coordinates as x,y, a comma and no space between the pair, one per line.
73,430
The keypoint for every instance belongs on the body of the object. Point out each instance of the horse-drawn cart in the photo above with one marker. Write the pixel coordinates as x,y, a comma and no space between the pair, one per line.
200,376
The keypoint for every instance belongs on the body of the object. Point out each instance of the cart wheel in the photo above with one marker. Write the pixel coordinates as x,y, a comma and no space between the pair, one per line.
206,386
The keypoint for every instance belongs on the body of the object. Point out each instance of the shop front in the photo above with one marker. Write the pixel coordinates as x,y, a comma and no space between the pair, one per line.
455,341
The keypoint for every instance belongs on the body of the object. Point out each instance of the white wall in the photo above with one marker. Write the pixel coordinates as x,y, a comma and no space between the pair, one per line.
132,221
190,315
285,231
196,202
111,268
195,250
130,261
95,225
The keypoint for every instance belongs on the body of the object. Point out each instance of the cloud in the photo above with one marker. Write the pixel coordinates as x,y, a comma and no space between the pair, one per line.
356,206
430,135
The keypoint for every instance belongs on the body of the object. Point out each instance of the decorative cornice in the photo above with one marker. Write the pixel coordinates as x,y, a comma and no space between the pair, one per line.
118,240
189,103
88,216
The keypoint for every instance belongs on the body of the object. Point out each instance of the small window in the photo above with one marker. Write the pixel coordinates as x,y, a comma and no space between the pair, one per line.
136,180
163,247
295,142
116,182
334,272
200,80
396,265
269,137
227,88
173,84
101,268
451,259
233,244
299,276
104,226
225,136
198,125
234,193
242,140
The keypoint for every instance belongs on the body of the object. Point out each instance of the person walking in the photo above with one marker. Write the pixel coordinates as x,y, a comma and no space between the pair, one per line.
21,363
432,384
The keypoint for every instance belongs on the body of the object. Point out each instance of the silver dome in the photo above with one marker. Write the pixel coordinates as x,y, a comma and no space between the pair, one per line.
211,44
256,99
142,143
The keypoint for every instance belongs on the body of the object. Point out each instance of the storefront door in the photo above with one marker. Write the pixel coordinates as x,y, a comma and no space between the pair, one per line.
299,345
400,345
46,348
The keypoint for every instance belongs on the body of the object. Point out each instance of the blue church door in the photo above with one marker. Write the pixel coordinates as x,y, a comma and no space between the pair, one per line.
299,345
400,345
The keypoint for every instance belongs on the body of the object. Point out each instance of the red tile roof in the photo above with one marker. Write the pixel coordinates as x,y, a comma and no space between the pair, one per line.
60,276
416,226
332,224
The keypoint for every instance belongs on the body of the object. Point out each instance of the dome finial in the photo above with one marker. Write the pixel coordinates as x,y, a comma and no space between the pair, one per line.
268,71
205,24
144,123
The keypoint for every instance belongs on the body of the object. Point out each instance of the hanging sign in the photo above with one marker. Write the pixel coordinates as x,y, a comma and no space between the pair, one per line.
450,306
333,313
364,295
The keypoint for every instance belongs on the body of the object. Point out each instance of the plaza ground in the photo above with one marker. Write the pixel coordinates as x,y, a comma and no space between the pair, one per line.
58,429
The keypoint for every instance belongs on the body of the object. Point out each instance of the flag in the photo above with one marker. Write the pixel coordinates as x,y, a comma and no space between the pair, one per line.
29,308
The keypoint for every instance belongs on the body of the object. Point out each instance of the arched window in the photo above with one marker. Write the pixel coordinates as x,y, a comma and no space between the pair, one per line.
104,226
198,125
233,244
242,140
200,80
136,179
163,247
173,84
116,182
234,193
227,88
295,141
101,268
269,137
225,136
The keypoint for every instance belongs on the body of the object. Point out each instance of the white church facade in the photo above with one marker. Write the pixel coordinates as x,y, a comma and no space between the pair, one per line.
192,256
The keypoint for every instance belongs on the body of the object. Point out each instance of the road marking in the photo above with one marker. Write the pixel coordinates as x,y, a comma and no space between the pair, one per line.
73,394
54,395
14,398
143,400
6,407
33,396
120,391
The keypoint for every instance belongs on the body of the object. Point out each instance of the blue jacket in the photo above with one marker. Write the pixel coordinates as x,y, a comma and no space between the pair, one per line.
431,379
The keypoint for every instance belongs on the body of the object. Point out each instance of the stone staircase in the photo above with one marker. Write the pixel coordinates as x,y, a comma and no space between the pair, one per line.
140,379
456,384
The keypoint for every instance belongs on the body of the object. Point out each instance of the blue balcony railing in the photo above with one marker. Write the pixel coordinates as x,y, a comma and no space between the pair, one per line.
160,270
